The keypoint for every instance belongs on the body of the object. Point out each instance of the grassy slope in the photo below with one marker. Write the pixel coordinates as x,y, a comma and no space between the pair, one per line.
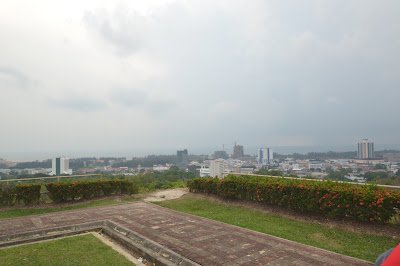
79,250
17,212
357,245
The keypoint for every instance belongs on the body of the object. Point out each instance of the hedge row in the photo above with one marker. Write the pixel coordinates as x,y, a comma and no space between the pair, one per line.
27,193
327,198
63,192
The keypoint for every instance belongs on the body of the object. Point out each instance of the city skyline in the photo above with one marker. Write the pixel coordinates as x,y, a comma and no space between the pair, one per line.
251,150
158,76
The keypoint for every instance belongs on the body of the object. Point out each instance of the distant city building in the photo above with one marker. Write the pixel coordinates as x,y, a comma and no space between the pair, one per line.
365,150
217,168
220,155
265,156
237,152
314,165
160,167
60,166
204,171
182,159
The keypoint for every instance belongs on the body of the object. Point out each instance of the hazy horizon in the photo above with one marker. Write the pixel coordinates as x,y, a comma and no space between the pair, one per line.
21,156
164,75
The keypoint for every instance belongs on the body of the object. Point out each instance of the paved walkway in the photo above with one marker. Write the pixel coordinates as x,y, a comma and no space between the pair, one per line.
201,240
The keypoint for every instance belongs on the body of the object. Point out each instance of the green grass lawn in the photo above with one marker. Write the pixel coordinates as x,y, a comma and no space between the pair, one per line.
17,212
78,250
363,246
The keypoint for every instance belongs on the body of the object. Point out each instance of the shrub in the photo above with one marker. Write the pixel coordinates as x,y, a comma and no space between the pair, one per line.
327,198
28,193
128,187
109,187
69,191
61,192
7,195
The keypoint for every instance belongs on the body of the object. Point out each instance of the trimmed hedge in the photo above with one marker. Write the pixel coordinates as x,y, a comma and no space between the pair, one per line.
7,195
63,192
27,193
327,198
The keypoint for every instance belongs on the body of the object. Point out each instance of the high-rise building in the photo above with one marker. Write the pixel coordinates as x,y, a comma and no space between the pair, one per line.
60,166
265,156
217,168
365,150
182,159
237,151
220,155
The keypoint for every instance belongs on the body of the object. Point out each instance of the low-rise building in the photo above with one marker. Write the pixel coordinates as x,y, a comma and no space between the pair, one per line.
160,167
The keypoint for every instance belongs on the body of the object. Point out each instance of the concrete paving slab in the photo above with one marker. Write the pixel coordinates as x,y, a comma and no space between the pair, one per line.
198,239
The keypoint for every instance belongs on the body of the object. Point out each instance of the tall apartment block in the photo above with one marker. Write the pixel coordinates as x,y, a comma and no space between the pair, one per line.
237,151
265,156
365,150
60,166
182,159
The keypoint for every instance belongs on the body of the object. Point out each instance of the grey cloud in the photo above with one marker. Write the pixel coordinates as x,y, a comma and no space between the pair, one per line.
133,98
128,97
160,107
122,29
285,72
79,104
13,78
259,72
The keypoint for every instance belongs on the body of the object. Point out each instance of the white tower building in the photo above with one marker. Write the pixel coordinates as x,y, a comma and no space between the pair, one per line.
265,156
60,166
365,150
217,168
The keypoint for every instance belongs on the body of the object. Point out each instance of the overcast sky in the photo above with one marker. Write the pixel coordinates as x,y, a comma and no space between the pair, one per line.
163,75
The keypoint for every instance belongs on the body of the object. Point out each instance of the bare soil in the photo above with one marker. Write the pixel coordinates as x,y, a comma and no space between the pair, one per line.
167,194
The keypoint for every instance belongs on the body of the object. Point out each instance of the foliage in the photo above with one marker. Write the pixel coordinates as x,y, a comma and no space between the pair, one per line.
274,172
327,198
172,178
7,194
19,212
339,174
151,160
393,181
28,193
371,176
34,164
70,191
271,172
147,161
380,166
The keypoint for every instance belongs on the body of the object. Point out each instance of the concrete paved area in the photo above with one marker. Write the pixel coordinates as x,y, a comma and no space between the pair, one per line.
200,240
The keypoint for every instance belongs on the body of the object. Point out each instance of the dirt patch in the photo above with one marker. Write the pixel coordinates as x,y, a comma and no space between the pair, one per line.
167,194
388,230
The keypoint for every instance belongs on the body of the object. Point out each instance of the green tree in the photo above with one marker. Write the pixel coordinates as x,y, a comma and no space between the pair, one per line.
372,176
272,172
380,166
